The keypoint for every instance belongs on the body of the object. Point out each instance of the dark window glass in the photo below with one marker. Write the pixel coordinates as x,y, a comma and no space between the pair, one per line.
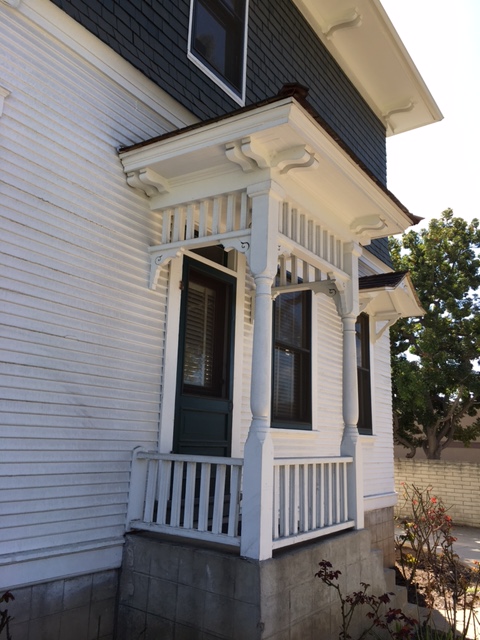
291,379
362,332
218,33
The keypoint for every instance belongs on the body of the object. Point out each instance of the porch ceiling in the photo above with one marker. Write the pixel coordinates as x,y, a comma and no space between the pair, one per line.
278,140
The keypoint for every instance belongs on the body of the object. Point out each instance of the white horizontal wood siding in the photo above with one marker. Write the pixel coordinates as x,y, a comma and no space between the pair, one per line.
81,335
378,448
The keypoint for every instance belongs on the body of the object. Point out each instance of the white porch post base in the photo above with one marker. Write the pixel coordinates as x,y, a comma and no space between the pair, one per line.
257,501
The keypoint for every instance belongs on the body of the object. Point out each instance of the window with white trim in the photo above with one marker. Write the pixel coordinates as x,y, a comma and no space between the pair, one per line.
217,42
292,361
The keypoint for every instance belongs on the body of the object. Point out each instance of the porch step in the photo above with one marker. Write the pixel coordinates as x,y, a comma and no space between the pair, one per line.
390,579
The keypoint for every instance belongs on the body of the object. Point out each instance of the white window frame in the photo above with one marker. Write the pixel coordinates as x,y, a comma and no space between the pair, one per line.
239,98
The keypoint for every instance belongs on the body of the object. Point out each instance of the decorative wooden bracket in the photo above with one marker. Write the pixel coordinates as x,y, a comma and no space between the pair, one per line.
158,260
148,181
352,19
295,158
250,155
327,287
361,226
388,322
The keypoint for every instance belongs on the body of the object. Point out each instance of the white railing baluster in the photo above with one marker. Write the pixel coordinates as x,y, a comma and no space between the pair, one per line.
233,509
203,218
230,211
338,494
286,502
345,493
219,499
217,202
304,510
294,515
166,226
176,494
204,498
150,490
190,224
189,495
244,210
322,495
329,495
163,489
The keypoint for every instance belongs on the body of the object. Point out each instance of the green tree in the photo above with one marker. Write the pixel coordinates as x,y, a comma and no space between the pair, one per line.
435,359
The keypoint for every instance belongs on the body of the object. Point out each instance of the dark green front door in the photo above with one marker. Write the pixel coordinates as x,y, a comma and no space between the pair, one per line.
203,416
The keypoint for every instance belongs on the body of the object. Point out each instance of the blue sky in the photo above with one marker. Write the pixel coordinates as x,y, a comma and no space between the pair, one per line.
438,166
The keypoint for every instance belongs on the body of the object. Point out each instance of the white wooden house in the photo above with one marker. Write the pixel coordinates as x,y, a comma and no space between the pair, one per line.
195,293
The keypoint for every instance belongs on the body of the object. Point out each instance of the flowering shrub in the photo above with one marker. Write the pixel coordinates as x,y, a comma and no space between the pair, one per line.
426,546
391,621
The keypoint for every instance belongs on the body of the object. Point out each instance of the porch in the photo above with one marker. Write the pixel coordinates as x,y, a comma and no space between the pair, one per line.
202,498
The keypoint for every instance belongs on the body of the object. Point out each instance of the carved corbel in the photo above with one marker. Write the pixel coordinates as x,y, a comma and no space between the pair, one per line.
160,259
234,154
352,19
248,154
361,226
295,158
148,181
403,108
256,152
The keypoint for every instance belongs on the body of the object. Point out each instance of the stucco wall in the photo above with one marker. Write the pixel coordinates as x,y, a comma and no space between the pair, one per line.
456,483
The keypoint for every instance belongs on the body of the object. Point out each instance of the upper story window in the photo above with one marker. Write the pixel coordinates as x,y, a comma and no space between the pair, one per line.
292,362
217,42
362,332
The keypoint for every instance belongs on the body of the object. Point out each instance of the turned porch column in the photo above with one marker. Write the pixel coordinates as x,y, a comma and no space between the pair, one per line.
257,503
351,445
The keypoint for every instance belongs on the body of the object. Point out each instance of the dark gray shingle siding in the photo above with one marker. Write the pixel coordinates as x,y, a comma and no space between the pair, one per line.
152,35
379,248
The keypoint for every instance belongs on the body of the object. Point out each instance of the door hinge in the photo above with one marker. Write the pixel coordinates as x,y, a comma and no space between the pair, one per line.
181,286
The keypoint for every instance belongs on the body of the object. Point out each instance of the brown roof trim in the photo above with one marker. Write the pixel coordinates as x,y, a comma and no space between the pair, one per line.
379,280
299,93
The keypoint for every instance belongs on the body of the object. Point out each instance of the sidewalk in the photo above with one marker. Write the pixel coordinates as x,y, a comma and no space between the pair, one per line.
467,545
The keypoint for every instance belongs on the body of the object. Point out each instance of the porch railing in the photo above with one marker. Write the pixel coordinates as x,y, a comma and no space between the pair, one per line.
189,496
310,498
200,497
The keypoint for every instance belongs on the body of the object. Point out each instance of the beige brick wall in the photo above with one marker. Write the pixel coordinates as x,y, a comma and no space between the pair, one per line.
456,483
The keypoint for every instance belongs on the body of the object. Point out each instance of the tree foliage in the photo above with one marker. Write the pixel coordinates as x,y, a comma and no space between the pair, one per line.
435,359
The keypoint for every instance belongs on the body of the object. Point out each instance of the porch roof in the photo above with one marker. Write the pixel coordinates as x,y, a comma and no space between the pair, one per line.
282,139
389,296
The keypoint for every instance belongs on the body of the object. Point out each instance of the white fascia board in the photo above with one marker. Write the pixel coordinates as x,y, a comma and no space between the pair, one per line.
58,24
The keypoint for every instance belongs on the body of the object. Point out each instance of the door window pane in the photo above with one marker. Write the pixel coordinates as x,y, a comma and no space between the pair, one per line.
199,334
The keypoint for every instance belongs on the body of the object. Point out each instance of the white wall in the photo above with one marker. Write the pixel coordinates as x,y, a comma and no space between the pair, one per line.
81,335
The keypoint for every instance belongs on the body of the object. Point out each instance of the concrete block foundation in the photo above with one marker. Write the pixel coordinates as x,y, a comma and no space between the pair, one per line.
171,590
78,608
